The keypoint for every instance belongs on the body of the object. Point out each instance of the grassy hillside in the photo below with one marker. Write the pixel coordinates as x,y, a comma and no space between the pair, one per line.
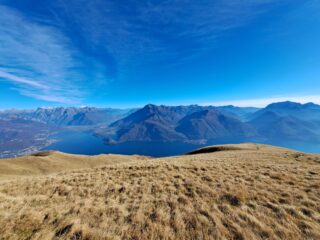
52,162
245,191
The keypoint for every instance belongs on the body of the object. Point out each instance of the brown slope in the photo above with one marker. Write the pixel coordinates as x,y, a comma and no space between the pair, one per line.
253,192
48,162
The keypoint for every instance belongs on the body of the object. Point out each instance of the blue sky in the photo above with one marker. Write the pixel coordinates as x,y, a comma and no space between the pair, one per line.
125,53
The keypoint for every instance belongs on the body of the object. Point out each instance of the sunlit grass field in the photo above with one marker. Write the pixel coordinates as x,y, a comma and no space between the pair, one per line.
246,191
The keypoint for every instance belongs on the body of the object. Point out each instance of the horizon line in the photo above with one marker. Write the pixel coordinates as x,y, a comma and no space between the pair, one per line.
256,103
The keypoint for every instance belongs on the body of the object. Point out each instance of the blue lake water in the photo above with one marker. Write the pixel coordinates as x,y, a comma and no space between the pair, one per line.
86,143
299,146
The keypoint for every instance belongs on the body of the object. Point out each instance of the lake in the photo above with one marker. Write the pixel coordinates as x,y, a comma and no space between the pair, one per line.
87,144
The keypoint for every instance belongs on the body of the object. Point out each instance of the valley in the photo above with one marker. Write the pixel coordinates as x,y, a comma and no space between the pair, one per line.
159,120
93,131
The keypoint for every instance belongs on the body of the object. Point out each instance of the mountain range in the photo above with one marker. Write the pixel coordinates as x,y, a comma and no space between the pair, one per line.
25,131
286,121
283,121
68,116
182,123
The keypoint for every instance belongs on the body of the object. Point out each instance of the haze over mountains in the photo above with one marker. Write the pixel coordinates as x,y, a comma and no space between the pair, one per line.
182,123
25,131
289,120
69,116
284,121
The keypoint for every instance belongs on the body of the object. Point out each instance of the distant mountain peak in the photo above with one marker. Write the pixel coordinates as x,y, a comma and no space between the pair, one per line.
227,106
285,104
311,105
150,105
292,105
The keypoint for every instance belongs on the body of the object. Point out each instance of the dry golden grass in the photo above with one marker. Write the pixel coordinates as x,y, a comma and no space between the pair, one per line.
248,192
47,162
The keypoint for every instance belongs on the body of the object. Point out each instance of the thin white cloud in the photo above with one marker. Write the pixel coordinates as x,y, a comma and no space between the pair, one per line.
16,79
262,102
51,98
39,60
158,30
42,61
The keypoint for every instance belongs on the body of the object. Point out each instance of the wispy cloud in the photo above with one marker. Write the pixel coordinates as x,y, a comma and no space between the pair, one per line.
157,30
39,60
262,102
73,48
20,80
